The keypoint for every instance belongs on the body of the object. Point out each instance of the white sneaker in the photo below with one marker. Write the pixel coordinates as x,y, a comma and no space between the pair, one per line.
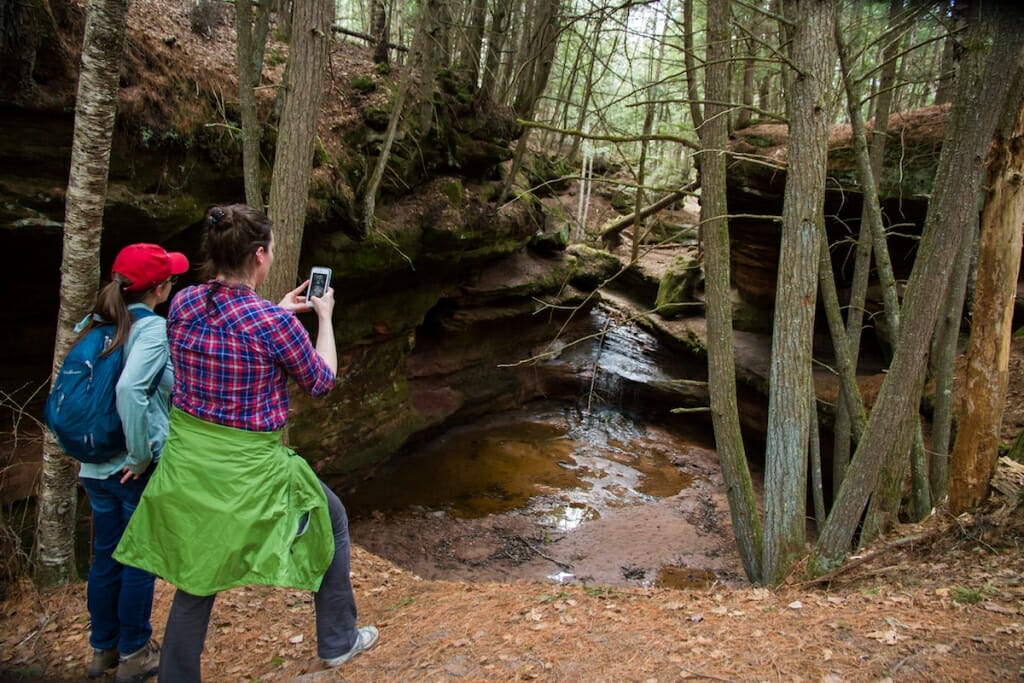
366,639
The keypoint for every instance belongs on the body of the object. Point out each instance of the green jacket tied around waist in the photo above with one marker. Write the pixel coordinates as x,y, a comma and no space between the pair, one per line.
224,509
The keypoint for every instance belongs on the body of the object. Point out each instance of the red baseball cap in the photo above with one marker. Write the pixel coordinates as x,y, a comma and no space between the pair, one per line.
146,265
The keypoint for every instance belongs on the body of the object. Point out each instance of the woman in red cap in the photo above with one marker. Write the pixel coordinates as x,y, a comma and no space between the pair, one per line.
120,598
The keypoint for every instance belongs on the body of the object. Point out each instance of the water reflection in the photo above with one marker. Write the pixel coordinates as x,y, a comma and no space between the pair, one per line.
565,468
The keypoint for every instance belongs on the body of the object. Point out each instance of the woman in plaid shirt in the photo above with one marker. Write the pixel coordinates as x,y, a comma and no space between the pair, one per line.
230,504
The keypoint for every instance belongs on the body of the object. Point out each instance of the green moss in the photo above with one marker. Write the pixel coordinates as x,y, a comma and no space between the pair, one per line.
453,190
364,84
275,57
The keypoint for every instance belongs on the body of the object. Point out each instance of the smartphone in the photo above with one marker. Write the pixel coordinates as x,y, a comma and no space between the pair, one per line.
319,282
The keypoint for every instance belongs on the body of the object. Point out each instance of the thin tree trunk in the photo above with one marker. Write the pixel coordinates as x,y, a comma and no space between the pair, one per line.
495,44
789,404
472,47
95,114
943,357
862,259
692,96
981,91
249,60
379,31
297,136
713,133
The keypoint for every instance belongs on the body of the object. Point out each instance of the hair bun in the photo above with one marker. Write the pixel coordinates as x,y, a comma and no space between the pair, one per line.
215,216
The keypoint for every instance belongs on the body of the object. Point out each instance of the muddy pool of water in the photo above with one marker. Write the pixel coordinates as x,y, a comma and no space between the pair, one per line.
556,495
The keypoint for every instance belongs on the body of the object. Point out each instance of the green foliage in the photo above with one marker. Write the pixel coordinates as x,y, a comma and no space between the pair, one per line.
364,84
965,596
274,57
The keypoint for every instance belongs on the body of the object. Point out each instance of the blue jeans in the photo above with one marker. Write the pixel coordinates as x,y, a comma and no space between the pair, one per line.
120,598
335,605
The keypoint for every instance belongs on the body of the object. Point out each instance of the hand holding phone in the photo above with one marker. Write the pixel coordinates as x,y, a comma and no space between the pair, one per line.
319,282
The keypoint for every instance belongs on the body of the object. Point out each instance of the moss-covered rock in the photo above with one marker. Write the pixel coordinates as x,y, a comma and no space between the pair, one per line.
676,289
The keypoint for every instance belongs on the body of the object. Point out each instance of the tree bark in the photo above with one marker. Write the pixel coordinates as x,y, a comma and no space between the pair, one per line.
472,46
746,522
95,114
379,31
249,60
862,258
691,68
975,450
980,94
297,136
803,219
495,44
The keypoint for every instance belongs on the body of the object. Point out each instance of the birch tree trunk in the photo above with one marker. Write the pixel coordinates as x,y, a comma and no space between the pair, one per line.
95,113
789,403
297,136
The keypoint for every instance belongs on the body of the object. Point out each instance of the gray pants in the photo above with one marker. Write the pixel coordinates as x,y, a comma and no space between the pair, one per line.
335,603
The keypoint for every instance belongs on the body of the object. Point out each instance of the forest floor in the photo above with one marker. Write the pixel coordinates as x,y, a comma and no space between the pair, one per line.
942,601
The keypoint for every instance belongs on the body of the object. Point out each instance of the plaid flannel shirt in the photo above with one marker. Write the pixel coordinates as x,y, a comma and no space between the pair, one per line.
233,352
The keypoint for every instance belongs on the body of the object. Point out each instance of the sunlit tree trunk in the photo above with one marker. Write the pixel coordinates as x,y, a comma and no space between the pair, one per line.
993,51
976,448
789,403
95,113
297,137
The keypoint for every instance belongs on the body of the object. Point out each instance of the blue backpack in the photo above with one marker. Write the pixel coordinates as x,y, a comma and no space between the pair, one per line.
81,409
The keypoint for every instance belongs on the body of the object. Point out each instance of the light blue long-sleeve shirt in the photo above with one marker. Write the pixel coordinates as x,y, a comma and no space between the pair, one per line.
143,415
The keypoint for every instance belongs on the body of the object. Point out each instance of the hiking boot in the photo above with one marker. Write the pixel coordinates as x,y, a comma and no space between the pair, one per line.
139,665
366,639
102,660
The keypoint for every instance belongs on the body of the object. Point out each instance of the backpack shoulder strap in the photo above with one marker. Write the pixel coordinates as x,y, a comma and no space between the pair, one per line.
138,313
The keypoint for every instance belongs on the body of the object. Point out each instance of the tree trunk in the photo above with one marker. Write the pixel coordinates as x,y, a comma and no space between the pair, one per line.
713,133
249,59
472,46
862,259
379,30
297,136
789,404
980,94
495,45
976,448
692,95
943,357
95,114
420,37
